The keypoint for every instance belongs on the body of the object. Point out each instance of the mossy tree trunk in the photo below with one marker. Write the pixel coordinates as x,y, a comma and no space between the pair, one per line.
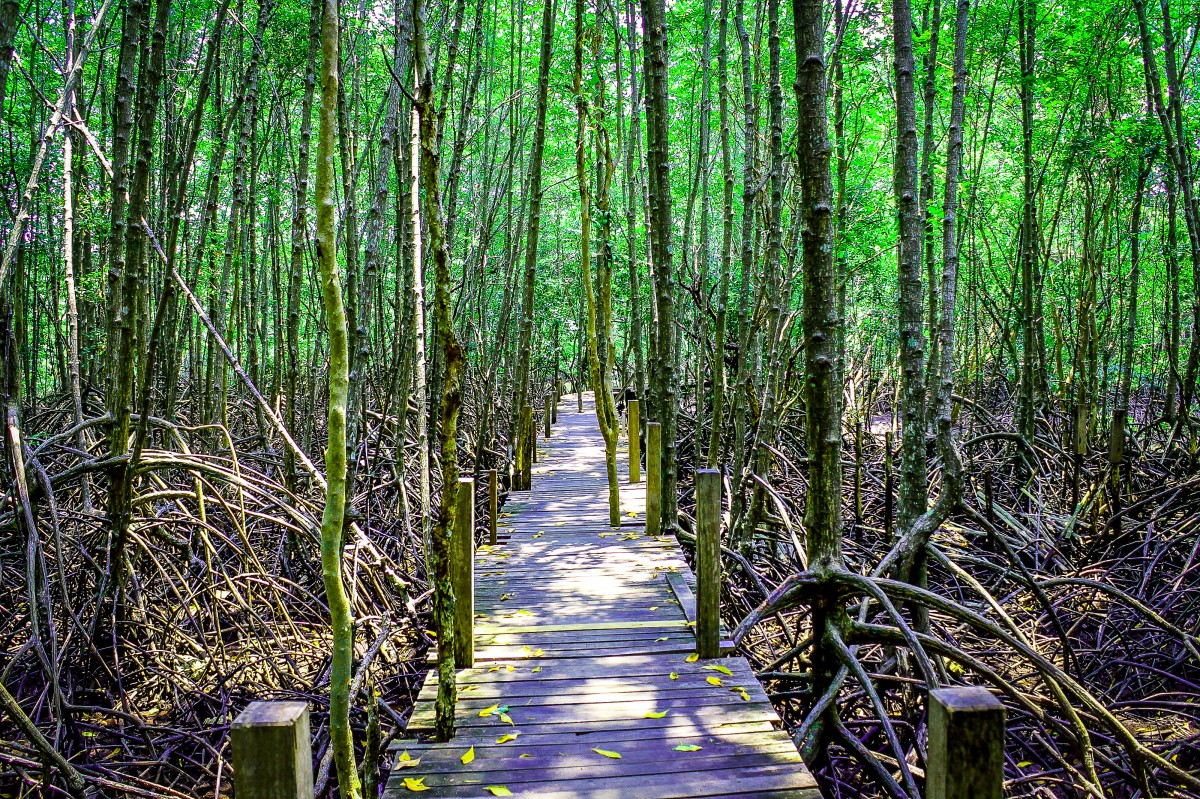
332,520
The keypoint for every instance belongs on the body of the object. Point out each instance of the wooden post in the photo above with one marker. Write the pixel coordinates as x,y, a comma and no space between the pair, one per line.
635,442
966,745
556,390
579,396
527,426
272,751
708,563
549,405
653,478
493,504
462,574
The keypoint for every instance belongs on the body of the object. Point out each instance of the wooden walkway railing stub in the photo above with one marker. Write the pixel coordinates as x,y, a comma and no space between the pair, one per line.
585,649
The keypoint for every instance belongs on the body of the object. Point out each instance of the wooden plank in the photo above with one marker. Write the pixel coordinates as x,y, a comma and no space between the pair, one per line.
651,786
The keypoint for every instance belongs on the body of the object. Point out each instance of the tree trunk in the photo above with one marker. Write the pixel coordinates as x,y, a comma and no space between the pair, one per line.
529,283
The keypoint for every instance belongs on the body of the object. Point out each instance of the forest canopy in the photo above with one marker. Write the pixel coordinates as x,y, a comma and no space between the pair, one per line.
921,279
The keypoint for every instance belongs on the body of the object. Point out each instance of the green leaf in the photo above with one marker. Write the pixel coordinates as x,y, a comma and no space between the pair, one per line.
688,748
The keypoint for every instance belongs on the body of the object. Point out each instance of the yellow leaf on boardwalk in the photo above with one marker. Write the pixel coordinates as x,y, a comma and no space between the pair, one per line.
415,784
407,761
721,669
674,676
504,717
656,714
692,658
506,737
688,748
535,669
499,790
468,757
607,753
714,681
487,711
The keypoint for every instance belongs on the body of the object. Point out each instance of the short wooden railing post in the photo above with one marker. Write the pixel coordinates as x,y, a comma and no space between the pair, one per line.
653,478
966,744
635,442
546,415
533,451
527,427
493,504
272,751
708,563
462,574
556,390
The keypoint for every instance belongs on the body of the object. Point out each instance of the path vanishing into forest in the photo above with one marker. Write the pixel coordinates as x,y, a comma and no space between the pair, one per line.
585,683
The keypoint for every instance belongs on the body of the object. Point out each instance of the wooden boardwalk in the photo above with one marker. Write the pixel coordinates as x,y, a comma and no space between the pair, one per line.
584,653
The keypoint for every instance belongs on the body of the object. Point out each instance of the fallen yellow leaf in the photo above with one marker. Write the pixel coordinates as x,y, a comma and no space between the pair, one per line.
506,737
468,757
607,753
499,790
721,669
674,676
415,784
656,714
692,658
406,761
487,711
713,681
535,669
504,717
688,748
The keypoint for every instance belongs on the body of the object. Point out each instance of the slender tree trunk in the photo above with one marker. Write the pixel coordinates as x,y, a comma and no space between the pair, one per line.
741,410
823,383
127,305
933,29
599,298
1026,15
654,45
913,492
718,360
299,235
529,282
332,521
451,398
